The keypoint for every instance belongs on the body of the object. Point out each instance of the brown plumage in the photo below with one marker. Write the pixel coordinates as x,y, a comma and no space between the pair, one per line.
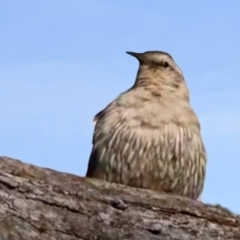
149,136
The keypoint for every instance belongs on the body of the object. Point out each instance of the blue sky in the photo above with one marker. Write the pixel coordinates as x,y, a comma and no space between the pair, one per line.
63,61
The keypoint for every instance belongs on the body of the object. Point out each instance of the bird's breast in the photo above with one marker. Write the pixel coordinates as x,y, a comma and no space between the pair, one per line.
151,147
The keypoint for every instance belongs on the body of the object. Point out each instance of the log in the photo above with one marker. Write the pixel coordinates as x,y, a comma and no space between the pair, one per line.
40,203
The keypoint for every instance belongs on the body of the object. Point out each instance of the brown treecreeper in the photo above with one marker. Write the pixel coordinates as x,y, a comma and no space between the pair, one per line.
149,136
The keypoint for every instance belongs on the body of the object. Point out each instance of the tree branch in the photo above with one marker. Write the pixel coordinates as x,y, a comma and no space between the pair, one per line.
39,203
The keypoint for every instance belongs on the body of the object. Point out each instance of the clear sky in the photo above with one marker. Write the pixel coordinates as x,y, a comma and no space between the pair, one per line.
63,61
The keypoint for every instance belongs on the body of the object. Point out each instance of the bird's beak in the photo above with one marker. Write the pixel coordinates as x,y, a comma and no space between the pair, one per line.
139,56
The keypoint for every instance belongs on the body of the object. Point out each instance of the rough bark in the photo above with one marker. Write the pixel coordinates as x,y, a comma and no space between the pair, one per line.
39,203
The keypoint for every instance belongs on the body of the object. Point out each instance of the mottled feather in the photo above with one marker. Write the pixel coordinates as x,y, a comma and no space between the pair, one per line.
149,136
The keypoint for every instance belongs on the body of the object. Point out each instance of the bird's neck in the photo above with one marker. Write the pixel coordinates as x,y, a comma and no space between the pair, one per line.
145,77
160,85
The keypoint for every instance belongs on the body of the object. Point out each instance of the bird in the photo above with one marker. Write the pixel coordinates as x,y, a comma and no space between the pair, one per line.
149,136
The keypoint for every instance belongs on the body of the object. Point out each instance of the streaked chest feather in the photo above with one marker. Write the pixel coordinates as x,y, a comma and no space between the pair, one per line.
166,156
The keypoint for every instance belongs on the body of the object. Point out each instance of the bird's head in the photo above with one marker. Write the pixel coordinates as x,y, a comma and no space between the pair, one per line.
158,69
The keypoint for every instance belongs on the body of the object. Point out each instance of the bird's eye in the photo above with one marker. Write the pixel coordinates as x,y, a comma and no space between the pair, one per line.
165,64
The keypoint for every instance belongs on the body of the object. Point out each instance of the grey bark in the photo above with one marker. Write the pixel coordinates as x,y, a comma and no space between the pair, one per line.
39,203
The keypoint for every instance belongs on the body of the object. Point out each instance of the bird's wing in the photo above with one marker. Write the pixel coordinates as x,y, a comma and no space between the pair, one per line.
99,115
96,117
92,163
